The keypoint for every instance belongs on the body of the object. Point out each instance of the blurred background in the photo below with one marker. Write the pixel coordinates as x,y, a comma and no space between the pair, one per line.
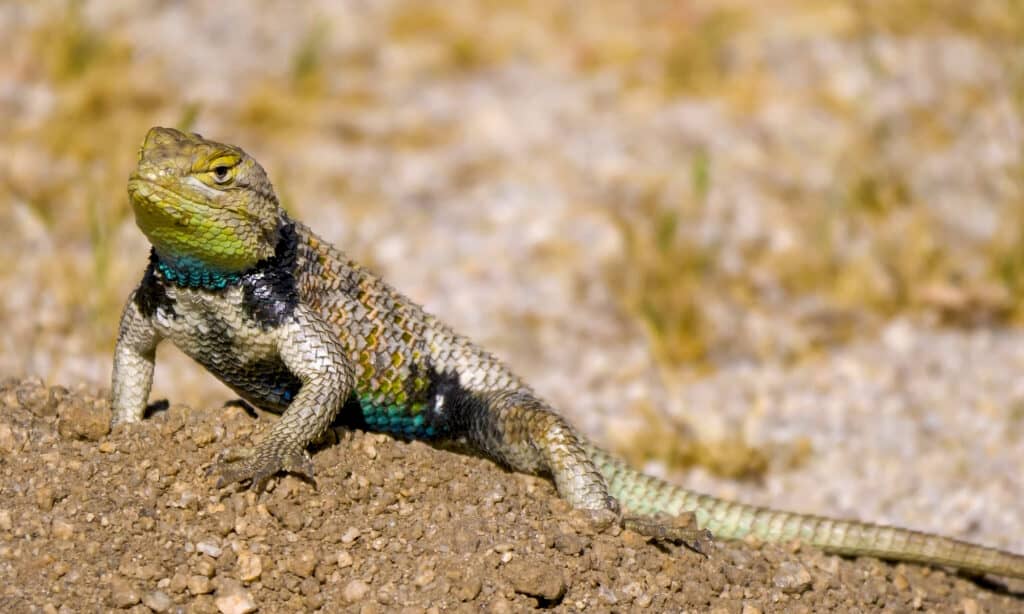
775,245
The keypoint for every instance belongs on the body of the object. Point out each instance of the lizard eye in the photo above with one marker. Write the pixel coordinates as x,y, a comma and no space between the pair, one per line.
221,173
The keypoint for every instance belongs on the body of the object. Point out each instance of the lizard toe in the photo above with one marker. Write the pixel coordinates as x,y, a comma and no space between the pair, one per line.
681,529
242,465
299,463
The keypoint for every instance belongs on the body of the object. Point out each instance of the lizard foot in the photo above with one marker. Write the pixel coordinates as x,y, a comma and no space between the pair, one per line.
258,466
682,528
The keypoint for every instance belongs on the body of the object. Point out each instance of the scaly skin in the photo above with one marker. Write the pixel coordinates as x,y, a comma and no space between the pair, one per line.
293,326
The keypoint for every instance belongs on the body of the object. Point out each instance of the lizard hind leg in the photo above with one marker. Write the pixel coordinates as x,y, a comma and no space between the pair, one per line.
520,431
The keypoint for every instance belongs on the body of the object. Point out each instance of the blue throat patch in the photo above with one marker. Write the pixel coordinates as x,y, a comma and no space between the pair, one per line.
196,275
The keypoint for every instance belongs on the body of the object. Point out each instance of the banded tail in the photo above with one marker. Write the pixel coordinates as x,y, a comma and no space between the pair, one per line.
639,493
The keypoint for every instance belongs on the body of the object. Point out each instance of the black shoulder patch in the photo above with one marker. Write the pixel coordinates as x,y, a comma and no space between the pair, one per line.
454,409
151,294
269,293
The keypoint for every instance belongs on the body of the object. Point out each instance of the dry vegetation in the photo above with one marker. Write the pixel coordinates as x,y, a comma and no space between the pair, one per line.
826,196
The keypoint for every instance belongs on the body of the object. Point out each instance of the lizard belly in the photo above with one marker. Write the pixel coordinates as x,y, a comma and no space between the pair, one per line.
213,331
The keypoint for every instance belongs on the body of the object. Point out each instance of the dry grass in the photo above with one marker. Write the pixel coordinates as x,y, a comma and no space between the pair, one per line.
866,245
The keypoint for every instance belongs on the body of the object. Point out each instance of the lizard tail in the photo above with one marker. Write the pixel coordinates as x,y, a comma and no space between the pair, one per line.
639,493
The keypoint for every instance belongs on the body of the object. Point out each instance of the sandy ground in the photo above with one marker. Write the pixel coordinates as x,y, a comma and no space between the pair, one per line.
92,520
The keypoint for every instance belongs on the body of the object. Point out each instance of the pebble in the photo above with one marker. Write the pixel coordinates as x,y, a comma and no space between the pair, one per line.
350,535
9,442
199,585
424,578
900,582
81,419
304,563
37,399
236,600
205,566
535,578
62,529
792,578
210,548
158,601
122,593
249,566
466,589
344,559
355,591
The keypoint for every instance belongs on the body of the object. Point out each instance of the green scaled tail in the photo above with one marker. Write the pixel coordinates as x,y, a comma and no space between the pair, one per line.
642,494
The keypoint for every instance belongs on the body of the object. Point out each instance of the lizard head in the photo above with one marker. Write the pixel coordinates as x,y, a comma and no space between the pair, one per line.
203,204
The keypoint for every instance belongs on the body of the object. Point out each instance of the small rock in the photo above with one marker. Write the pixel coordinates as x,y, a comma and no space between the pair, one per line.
199,585
355,591
80,419
607,595
570,543
468,588
9,442
309,586
969,606
210,548
536,579
249,566
900,582
750,609
6,522
344,559
792,578
178,583
205,566
45,498
500,605
424,578
350,535
61,529
303,564
158,601
122,593
39,400
204,435
236,601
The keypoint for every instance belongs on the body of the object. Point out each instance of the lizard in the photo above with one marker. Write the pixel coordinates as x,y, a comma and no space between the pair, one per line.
295,327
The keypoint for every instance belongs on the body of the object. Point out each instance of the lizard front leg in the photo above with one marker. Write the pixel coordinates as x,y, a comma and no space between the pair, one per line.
313,353
134,358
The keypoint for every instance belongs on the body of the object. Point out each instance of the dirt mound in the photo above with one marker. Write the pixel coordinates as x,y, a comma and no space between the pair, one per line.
91,520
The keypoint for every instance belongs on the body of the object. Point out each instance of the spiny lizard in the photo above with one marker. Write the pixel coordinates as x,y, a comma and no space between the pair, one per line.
295,327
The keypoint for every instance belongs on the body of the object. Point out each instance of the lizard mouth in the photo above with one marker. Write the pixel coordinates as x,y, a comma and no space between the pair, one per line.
154,198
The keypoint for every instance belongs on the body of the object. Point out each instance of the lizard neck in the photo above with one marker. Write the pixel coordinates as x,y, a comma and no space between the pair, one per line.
188,272
192,274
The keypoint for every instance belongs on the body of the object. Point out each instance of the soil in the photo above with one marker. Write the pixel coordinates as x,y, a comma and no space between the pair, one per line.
92,520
